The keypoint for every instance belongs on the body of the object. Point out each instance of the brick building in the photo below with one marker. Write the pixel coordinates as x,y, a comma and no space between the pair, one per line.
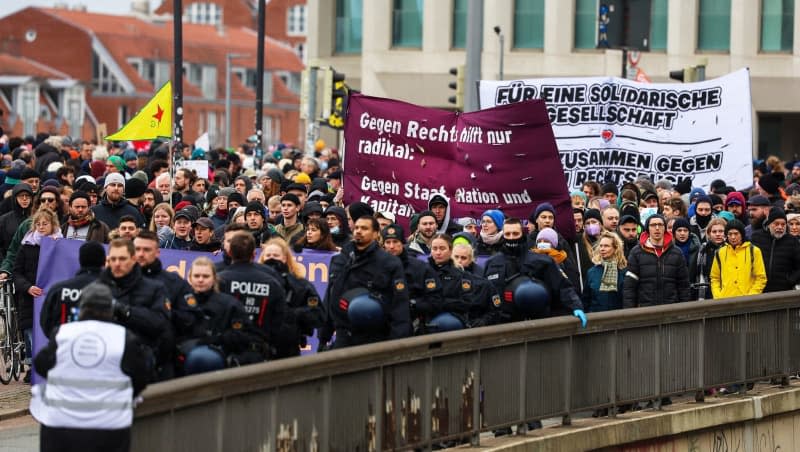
121,61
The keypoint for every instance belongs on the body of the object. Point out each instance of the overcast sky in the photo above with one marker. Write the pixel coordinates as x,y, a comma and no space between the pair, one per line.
95,6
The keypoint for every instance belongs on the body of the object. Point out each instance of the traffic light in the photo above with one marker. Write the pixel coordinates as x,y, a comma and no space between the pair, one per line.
458,86
334,99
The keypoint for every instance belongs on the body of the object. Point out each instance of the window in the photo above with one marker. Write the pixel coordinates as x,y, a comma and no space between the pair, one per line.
586,24
103,80
123,116
209,81
73,112
777,25
714,25
348,26
300,50
296,20
658,25
29,107
203,13
459,24
213,127
249,77
529,24
407,23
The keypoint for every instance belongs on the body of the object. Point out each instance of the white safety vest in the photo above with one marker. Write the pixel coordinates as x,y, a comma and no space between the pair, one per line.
87,388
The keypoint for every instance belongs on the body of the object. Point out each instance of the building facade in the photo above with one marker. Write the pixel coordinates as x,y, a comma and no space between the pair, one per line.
404,49
121,61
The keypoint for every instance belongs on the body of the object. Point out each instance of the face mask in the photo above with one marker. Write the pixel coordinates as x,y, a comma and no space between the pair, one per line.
323,165
702,220
544,245
592,229
514,246
335,230
276,264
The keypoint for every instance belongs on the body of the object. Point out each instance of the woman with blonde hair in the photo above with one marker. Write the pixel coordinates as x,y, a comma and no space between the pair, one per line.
161,222
603,288
304,311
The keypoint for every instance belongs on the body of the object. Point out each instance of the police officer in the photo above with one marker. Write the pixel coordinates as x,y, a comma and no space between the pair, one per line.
304,311
212,329
87,401
141,305
367,297
551,293
424,288
468,300
61,304
256,288
147,256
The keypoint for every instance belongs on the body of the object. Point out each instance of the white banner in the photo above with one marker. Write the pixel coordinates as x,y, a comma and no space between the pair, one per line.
610,129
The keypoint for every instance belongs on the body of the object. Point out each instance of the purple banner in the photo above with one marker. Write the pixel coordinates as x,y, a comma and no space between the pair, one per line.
58,260
398,155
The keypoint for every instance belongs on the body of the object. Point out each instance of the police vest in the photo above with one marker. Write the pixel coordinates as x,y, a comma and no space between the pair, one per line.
87,388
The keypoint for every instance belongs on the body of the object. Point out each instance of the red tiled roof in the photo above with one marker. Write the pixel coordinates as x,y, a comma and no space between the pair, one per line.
15,65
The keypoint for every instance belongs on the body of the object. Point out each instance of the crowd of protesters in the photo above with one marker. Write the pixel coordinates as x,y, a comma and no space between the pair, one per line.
640,243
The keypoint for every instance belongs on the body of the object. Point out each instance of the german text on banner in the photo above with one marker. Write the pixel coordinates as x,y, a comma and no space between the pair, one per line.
398,155
612,129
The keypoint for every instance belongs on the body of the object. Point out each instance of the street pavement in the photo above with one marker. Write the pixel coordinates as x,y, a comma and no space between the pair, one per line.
19,432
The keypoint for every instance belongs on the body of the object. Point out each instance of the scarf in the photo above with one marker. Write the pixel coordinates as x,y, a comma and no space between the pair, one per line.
35,237
558,256
608,282
78,223
491,239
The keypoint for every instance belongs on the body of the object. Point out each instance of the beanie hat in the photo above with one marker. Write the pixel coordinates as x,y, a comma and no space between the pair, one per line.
775,213
91,253
275,175
134,188
393,231
117,161
360,209
291,197
181,205
574,193
717,185
97,169
609,188
705,199
226,192
768,183
28,173
114,178
680,222
51,183
497,217
236,197
141,175
593,213
465,238
80,195
302,178
727,216
98,296
715,199
310,207
735,224
543,207
254,206
734,197
697,191
548,234
437,199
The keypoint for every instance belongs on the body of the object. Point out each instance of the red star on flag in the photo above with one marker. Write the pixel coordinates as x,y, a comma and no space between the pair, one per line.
158,114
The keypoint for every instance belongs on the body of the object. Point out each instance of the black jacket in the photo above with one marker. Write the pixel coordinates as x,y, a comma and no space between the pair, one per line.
701,265
781,259
651,279
110,213
424,287
10,221
377,271
150,309
469,297
304,312
502,268
175,286
61,303
218,320
25,267
259,290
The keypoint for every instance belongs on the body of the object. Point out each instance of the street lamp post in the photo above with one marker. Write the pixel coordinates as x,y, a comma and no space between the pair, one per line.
502,39
228,58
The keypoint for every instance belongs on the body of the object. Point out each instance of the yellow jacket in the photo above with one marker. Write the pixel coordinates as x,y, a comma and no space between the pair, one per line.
738,271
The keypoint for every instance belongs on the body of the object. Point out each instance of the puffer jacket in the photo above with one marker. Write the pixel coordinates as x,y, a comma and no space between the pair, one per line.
781,260
596,301
655,276
738,271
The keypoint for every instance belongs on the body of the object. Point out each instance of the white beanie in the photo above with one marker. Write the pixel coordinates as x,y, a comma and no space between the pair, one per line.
114,178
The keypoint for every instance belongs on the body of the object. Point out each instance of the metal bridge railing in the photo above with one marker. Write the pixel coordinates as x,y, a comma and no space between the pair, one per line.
425,390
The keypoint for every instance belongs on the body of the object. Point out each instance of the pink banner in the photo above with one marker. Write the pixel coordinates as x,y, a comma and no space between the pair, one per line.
398,155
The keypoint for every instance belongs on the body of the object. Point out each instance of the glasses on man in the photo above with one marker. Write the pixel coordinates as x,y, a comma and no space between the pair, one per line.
48,200
657,225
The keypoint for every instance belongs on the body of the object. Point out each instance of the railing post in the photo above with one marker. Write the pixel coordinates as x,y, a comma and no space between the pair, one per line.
700,396
325,434
785,343
380,409
743,354
567,419
523,359
477,388
612,390
425,410
657,367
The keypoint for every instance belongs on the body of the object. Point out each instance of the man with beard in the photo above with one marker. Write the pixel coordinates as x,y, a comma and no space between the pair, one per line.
113,206
81,223
628,231
424,289
781,252
757,209
184,178
440,206
420,241
150,200
735,204
371,280
703,213
230,230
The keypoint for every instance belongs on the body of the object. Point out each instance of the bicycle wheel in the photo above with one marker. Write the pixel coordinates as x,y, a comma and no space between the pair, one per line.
6,352
17,351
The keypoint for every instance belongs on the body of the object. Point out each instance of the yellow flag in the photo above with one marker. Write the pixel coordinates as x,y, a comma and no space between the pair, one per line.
153,121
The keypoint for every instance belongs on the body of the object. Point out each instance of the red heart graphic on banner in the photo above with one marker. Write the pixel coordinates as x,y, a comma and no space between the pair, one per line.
607,135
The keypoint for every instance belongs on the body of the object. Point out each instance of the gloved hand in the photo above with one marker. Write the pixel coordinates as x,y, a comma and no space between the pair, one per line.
581,315
122,311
